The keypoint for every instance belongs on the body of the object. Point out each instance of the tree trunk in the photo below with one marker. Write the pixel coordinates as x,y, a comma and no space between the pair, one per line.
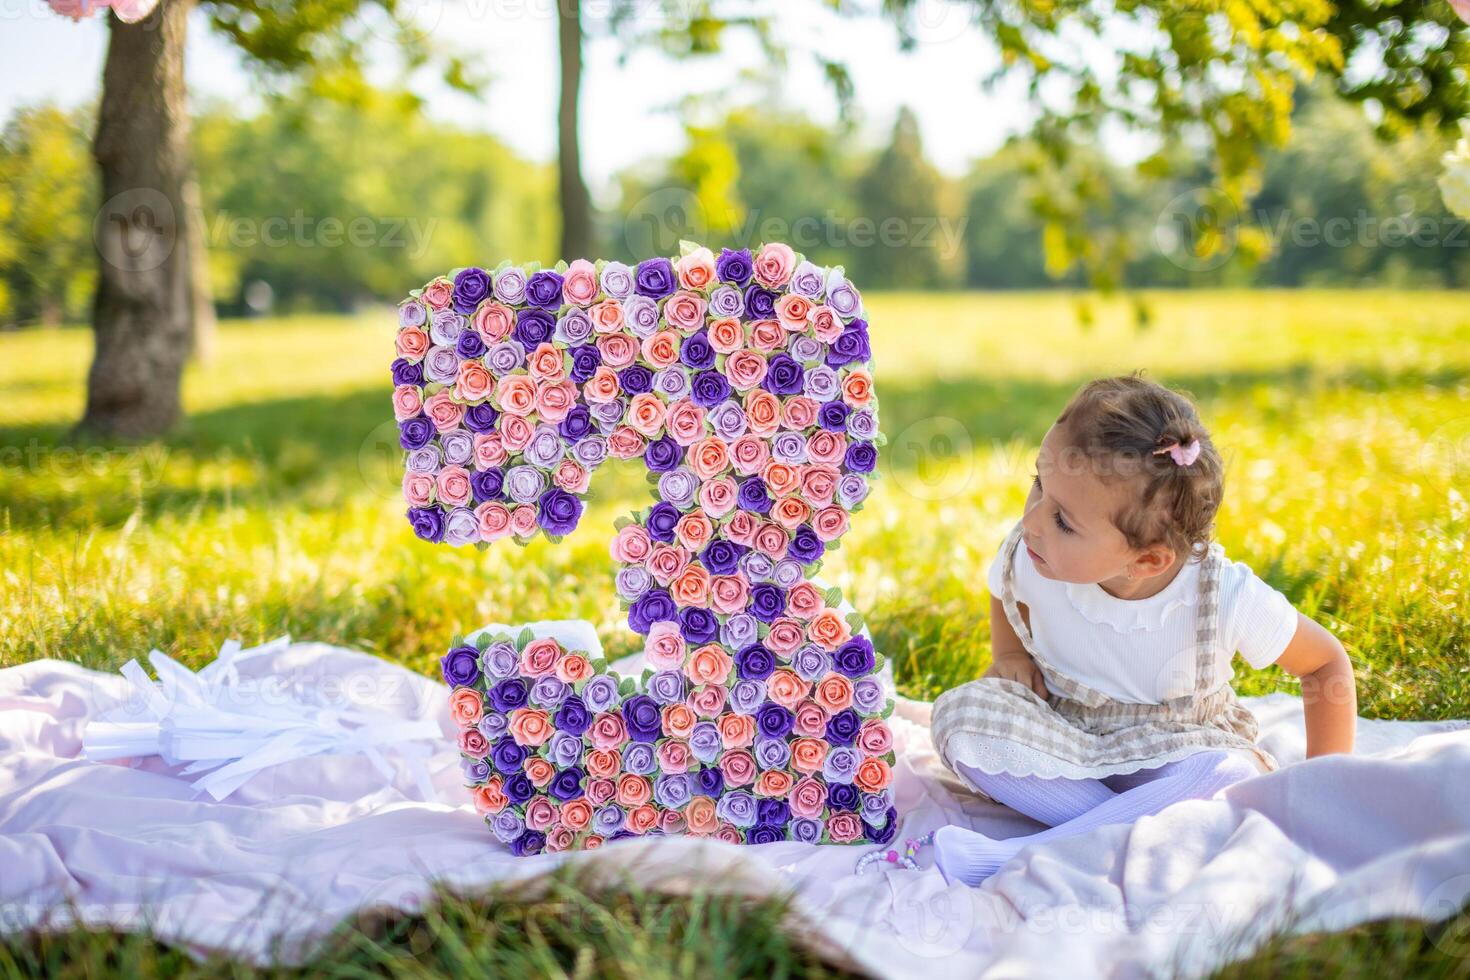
141,316
576,207
201,293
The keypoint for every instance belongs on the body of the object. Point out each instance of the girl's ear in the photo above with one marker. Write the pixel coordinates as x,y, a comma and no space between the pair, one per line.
1156,559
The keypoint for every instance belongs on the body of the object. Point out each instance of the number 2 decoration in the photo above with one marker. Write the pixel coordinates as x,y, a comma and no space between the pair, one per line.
743,381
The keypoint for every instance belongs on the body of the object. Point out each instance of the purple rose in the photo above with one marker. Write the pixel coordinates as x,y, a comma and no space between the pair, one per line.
765,834
543,289
632,581
653,606
756,566
500,659
842,728
850,345
704,741
861,457
636,379
488,484
425,459
474,770
805,349
600,693
696,351
842,796
772,813
663,454
641,315
517,788
545,448
789,447
661,521
726,301
868,696
508,825
493,724
787,573
655,278
510,286
805,830
752,495
678,486
738,630
734,266
760,302
698,625
573,716
852,489
638,758
510,694
481,417
460,666
566,784
884,832
671,791
736,807
573,327
666,686
641,716
576,425
446,327
672,382
461,527
406,372
805,546
441,364
591,451
728,420
841,296
840,765
862,424
875,806
507,756
607,820
585,361
524,483
470,345
771,753
783,375
470,286
832,416
505,357
821,383
709,388
427,522
533,327
609,415
767,602
808,279
709,781
617,280
811,662
565,748
720,557
774,721
558,511
855,658
412,314
747,695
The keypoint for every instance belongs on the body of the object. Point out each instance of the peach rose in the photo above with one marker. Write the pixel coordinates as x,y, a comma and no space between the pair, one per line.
694,531
834,693
576,814
453,485
472,742
767,335
786,688
857,388
707,458
516,394
579,283
494,322
678,720
830,523
418,489
443,411
709,664
791,512
539,771
875,737
691,587
819,484
726,335
646,413
685,311
673,757
811,720
607,731
794,310
545,363
728,593
530,726
773,265
574,669
873,775
844,827
602,387
408,401
661,349
664,648
607,316
762,412
803,600
826,324
807,754
785,636
799,412
571,476
685,422
708,700
633,790
631,545
555,399
624,443
771,540
736,731
489,798
642,819
489,450
618,349
748,454
493,519
826,447
438,293
665,562
515,432
696,270
603,763
717,497
782,479
700,815
773,782
540,656
466,707
808,798
738,766
412,344
745,368
592,842
741,527
829,629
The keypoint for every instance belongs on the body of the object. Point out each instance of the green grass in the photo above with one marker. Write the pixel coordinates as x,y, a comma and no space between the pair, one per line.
1344,419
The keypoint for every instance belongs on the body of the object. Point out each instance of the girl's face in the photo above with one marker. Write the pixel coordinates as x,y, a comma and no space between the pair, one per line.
1068,525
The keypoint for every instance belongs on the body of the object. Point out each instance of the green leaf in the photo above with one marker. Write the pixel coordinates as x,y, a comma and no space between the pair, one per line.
526,636
855,620
482,643
887,709
832,596
878,661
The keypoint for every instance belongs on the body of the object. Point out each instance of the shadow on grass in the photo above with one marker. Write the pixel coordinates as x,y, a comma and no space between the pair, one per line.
317,451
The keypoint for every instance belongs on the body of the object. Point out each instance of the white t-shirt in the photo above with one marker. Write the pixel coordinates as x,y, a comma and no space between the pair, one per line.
1142,650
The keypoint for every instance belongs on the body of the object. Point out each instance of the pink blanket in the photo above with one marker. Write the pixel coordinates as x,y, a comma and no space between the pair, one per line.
300,846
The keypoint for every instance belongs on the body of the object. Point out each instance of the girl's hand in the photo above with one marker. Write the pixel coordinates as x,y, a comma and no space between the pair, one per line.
1020,668
1329,696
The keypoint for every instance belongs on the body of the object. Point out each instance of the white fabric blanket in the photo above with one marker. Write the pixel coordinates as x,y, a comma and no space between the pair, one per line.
297,848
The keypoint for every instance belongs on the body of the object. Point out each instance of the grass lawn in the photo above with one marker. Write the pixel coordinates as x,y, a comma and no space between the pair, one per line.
1344,418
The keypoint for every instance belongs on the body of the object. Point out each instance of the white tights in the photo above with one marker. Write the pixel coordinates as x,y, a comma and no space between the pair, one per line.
1076,806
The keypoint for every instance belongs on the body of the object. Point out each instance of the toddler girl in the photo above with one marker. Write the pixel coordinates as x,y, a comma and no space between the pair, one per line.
1114,619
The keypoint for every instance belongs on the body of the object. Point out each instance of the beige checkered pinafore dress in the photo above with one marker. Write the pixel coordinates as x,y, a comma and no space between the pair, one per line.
999,725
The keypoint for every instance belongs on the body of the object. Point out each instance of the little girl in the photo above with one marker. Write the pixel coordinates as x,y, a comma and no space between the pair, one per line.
1114,620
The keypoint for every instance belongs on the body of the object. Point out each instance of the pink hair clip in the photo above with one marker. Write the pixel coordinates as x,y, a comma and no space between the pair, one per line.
1181,455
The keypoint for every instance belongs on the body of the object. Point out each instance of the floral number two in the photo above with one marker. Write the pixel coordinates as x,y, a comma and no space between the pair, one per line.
743,382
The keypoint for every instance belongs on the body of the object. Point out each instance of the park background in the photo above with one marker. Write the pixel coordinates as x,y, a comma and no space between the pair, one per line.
1315,303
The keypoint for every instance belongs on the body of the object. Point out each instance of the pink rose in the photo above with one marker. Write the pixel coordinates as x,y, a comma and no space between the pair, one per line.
539,657
523,521
785,636
472,742
408,400
826,447
545,363
685,311
474,382
665,562
799,413
678,720
726,335
607,731
829,629
819,484
624,443
602,387
661,349
560,838
418,489
642,819
515,432
412,344
762,412
607,316
453,486
443,411
494,520
664,649
771,540
773,265
466,706
599,791
738,766
494,322
540,814
745,368
555,400
516,394
767,335
748,454
530,726
708,700
804,601
741,527
618,349
579,284
811,720
875,737
830,523
696,270
631,545
685,422
728,593
844,827
646,414
694,531
571,476
717,497
791,512
826,324
489,450
673,756
794,310
437,293
786,688
807,798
